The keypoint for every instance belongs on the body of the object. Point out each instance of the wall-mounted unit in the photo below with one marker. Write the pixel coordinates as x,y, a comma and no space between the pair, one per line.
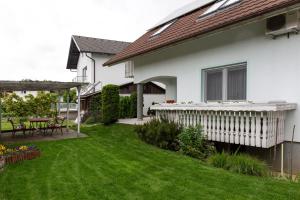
283,24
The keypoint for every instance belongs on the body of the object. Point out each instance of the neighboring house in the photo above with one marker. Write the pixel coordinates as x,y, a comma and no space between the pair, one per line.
25,93
235,64
86,58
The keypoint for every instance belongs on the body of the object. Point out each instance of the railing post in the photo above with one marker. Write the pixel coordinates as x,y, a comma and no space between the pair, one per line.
68,107
140,90
78,110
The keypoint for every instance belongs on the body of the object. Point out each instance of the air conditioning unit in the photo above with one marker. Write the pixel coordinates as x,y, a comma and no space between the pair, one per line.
283,24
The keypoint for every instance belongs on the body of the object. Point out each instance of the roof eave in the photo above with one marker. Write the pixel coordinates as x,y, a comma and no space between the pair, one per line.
247,19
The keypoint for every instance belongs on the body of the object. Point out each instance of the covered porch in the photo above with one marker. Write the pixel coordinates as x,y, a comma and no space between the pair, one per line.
170,83
13,86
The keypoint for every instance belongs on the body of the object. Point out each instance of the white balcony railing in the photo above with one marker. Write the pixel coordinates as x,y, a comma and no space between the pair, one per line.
257,125
80,79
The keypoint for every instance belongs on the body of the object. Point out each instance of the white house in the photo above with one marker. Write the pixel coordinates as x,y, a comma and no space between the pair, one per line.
232,66
86,58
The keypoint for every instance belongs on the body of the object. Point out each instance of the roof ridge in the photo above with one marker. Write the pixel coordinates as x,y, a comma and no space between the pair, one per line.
103,39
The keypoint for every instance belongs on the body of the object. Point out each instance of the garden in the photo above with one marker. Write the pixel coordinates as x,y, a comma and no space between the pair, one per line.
113,163
157,160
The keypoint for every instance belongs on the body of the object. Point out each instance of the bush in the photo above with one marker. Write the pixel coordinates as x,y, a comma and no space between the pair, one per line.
133,105
95,110
193,143
161,133
90,120
239,163
110,104
125,107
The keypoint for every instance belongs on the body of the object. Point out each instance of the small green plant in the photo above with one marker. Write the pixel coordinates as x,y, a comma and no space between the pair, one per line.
161,133
193,143
110,104
239,163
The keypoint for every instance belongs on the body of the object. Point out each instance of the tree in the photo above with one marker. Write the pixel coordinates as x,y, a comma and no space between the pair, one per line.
72,95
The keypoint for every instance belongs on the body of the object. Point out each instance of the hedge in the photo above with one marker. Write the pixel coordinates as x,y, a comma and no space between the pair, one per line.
133,105
110,104
125,105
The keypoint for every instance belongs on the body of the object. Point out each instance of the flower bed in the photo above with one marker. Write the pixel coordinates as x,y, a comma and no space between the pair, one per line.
17,154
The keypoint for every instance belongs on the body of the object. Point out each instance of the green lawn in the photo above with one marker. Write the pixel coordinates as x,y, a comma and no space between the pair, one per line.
114,164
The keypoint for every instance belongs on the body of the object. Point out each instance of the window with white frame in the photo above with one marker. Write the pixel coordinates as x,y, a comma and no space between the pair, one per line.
227,83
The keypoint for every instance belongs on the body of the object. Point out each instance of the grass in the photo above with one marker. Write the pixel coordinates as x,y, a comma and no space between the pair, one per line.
114,164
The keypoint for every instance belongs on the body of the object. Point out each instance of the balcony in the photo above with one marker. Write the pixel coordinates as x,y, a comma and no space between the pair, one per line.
250,124
80,79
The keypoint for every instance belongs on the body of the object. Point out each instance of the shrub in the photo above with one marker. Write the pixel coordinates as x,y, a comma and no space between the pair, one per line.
193,143
125,107
90,120
133,105
239,163
95,110
110,104
161,133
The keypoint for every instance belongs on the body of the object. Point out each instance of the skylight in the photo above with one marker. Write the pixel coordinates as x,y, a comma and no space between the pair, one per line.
162,29
214,7
219,5
230,2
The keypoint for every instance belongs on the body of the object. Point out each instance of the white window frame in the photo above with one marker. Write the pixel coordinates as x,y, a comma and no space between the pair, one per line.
163,28
224,70
219,5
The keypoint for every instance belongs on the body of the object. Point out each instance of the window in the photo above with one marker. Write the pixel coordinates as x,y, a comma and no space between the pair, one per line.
84,72
162,29
226,83
219,5
214,7
229,3
214,85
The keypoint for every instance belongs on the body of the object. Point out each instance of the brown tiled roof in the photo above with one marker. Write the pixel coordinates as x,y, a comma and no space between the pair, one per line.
191,25
96,45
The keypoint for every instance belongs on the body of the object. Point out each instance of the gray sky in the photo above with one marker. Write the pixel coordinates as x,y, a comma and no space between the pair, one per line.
35,34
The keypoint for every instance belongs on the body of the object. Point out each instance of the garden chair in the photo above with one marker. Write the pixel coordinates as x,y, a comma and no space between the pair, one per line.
17,128
57,124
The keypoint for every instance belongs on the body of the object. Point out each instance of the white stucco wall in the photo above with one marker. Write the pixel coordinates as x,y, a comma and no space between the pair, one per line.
107,75
22,94
273,66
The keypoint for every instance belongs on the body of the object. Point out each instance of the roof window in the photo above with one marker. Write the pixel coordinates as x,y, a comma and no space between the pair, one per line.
162,29
219,5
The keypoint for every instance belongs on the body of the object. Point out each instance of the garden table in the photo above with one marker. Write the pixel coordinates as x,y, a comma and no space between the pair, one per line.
39,124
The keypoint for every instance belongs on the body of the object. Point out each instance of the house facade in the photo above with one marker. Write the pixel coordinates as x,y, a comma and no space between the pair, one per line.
231,66
86,58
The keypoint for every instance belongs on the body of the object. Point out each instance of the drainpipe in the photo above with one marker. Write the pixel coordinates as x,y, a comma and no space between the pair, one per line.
94,64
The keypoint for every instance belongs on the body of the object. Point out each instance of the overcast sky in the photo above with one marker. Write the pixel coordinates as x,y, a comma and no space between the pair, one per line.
35,34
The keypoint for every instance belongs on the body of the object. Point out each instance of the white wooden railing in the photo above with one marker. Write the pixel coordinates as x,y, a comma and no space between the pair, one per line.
257,125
